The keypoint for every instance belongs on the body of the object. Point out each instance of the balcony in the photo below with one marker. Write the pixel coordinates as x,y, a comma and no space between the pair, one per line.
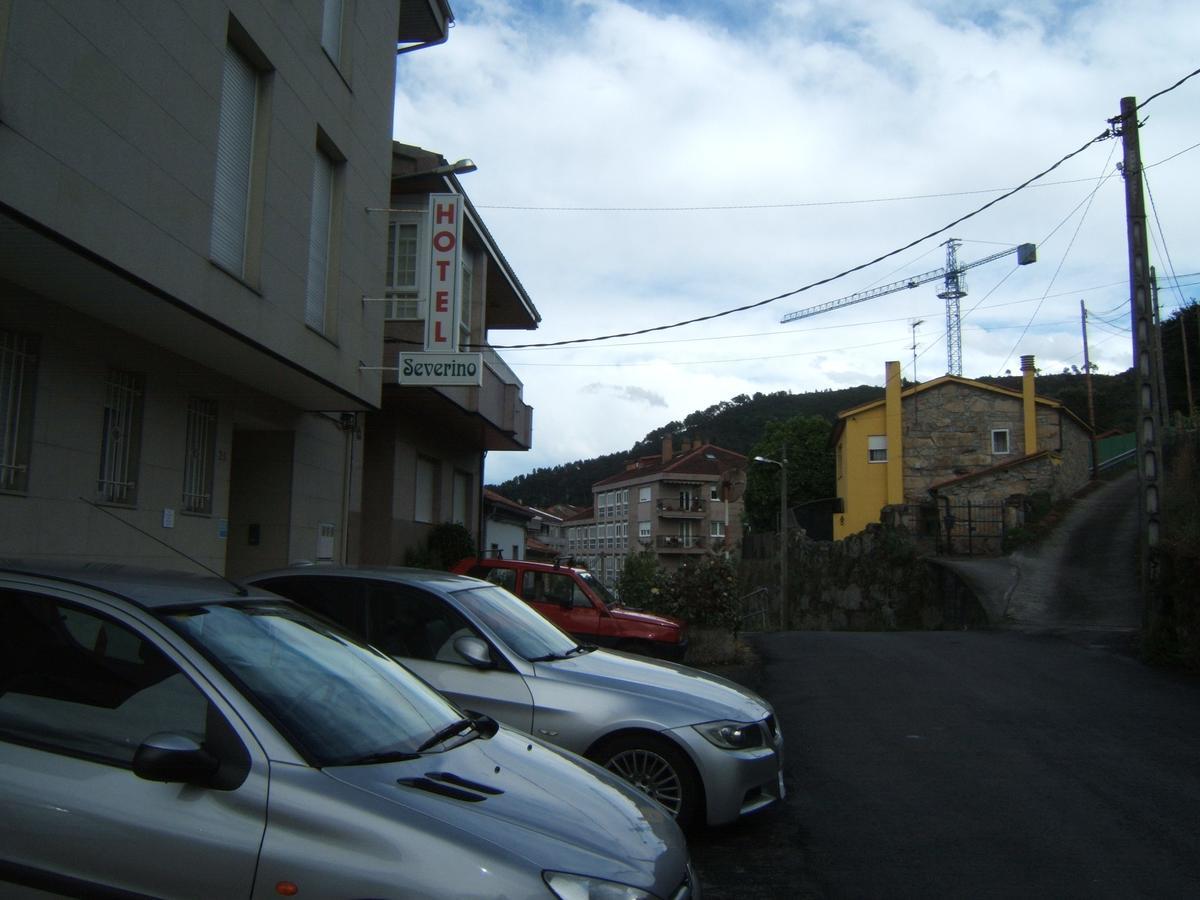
683,507
674,543
493,416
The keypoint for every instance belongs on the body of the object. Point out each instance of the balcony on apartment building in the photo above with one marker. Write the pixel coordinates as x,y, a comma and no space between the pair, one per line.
681,543
493,415
685,506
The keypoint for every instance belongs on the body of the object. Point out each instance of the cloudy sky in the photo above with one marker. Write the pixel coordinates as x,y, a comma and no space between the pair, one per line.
646,162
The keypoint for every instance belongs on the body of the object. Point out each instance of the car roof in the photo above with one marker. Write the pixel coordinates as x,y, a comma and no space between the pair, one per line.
146,587
435,578
529,564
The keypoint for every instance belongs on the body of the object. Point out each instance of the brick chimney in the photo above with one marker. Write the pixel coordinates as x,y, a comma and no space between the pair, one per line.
668,448
1029,404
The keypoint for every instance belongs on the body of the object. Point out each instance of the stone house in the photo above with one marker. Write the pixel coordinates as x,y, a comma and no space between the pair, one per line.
929,452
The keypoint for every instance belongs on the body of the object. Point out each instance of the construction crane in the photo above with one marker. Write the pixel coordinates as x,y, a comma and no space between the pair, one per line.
955,289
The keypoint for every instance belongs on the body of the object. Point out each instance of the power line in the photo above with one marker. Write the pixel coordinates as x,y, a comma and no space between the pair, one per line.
1087,208
802,204
1104,135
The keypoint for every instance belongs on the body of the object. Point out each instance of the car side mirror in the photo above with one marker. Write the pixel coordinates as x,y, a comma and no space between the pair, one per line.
167,756
474,650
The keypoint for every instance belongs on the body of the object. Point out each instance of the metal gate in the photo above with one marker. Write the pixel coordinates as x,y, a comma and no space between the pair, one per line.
973,529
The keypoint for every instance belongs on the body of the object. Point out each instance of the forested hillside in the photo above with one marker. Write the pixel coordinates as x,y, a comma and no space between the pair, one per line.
738,424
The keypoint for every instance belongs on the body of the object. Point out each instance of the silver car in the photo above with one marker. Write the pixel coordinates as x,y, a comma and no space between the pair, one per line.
705,748
169,736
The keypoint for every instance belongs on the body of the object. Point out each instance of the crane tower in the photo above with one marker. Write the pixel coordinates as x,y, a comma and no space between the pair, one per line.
954,289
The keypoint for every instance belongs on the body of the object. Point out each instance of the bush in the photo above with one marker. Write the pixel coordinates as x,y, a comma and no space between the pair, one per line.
447,544
703,594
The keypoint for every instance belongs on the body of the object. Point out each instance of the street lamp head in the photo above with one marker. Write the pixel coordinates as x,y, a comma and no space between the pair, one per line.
763,459
462,167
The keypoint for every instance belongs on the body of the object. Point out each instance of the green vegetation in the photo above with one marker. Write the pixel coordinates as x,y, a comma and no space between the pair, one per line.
447,544
742,425
810,468
704,594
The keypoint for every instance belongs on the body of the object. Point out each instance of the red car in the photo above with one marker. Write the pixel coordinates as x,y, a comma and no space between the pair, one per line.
578,603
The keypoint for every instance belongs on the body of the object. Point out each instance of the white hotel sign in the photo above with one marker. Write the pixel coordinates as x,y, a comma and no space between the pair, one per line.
440,369
443,312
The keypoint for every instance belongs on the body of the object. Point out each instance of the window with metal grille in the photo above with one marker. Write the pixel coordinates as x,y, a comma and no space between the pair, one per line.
319,237
235,154
18,370
1000,441
200,455
121,438
403,284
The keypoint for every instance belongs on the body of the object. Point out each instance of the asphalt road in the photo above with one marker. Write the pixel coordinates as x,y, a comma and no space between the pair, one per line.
969,764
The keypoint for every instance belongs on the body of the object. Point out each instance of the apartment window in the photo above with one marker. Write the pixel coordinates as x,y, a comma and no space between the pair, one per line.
403,287
462,497
716,529
331,29
200,455
235,161
643,531
877,448
425,489
18,370
320,240
644,494
714,492
121,439
467,286
1000,445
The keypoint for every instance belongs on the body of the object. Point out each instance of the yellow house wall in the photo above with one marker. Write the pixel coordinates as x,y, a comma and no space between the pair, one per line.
862,485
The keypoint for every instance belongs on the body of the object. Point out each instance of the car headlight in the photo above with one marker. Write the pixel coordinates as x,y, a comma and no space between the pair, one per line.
732,735
580,887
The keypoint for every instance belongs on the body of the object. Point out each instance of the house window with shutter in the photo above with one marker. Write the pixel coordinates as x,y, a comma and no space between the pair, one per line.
877,448
237,125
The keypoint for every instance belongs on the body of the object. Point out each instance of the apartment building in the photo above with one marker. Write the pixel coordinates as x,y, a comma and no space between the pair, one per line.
424,449
675,504
185,239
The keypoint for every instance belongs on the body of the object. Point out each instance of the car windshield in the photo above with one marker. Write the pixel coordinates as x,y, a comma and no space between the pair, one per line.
519,626
601,591
337,700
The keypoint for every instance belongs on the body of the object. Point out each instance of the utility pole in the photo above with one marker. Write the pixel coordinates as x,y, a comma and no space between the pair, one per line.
1149,439
1187,365
1087,374
784,610
1164,417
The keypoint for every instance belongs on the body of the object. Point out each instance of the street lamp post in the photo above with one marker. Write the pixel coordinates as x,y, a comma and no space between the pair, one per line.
783,543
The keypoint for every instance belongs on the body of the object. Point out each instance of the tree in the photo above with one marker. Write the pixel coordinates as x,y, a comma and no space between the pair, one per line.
638,580
810,468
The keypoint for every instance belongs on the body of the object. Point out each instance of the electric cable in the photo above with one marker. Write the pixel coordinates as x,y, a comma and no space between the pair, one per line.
1104,135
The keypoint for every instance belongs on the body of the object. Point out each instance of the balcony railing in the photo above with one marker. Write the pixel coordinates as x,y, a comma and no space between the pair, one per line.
692,507
673,543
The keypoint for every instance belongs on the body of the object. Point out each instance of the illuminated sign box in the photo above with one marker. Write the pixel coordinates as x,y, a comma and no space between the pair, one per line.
439,369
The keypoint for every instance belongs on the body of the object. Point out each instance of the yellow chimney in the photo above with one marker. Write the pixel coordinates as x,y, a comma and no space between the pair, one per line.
1029,404
895,440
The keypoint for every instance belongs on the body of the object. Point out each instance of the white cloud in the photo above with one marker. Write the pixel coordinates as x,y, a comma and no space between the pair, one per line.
825,110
